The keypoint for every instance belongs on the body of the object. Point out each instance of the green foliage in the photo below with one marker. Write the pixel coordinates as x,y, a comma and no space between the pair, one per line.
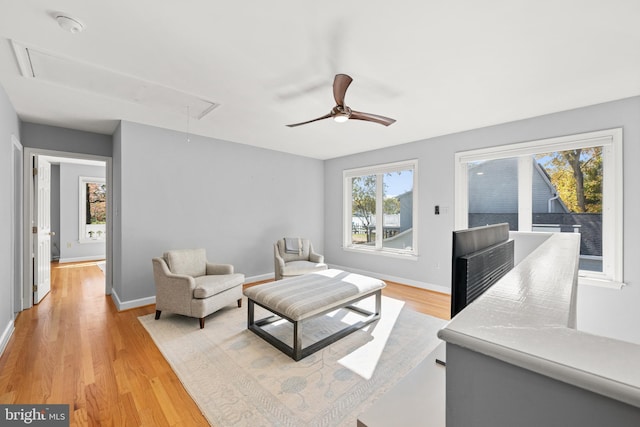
96,203
577,176
363,196
391,205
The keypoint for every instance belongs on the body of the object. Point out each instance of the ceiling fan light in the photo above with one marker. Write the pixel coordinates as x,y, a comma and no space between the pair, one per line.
341,118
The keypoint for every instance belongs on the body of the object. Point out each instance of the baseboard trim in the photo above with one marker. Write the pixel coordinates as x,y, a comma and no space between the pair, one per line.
128,305
260,277
82,258
6,336
402,280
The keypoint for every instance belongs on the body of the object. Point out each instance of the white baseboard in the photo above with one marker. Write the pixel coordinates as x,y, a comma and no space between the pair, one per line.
260,277
82,258
126,305
6,336
404,281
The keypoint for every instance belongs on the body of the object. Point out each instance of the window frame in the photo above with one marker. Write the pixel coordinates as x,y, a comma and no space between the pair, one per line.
82,210
379,171
612,198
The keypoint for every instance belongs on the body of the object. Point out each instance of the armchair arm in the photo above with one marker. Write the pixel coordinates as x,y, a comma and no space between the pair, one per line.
174,292
278,262
313,256
277,257
317,258
213,269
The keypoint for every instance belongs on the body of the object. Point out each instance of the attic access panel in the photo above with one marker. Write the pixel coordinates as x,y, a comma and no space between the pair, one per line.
87,77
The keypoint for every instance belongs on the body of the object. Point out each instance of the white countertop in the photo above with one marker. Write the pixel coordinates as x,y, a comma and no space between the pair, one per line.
528,319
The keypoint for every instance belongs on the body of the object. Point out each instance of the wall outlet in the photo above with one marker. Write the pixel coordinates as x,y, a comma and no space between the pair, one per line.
68,244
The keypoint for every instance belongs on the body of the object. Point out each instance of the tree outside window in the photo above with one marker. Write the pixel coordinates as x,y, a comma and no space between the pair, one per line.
93,209
381,195
564,184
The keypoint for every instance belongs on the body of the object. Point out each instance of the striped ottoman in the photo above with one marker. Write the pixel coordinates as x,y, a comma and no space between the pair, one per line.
311,295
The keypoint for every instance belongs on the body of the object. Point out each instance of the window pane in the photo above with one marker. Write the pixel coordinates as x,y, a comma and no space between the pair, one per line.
397,223
96,203
571,181
493,192
93,209
363,202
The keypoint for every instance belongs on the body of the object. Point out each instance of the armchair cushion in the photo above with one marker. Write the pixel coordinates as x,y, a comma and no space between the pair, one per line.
207,286
191,262
297,268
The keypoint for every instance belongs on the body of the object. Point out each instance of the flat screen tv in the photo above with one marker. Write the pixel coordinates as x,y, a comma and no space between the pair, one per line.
481,256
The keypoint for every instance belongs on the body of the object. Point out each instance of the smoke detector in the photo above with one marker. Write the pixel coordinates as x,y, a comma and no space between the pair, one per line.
69,24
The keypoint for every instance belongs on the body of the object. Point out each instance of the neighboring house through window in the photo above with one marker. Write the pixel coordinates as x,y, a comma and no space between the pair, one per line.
566,184
383,195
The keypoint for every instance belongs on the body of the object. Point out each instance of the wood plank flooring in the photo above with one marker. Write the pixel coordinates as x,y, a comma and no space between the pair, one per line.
76,348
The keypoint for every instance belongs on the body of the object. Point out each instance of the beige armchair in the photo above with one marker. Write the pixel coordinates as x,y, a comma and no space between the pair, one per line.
294,257
189,285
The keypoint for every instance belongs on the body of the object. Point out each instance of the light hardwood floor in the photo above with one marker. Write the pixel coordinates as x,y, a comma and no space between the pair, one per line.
76,348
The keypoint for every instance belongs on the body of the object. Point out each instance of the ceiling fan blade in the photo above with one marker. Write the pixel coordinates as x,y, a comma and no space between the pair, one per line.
340,85
357,115
326,116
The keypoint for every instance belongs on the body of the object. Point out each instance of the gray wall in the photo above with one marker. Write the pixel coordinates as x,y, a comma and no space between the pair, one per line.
70,247
9,125
602,307
232,199
67,140
486,392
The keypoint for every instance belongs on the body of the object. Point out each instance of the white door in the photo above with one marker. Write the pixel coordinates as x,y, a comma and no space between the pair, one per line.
42,227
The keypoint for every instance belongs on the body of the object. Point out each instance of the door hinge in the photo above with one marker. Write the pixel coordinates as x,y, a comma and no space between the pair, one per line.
35,288
34,230
35,171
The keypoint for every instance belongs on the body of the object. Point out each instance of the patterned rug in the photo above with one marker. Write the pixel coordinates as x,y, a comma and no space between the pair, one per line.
238,379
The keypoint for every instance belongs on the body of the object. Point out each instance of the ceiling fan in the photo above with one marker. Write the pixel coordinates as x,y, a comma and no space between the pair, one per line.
342,113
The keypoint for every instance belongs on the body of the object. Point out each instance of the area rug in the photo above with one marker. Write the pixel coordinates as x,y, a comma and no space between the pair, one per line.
238,379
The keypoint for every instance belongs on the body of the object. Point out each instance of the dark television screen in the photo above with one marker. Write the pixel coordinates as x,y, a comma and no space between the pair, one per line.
481,256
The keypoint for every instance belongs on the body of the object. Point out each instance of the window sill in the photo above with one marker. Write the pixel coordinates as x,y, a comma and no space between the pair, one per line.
601,283
382,252
92,241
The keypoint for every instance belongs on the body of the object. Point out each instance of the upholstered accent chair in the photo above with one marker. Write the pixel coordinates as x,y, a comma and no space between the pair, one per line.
295,256
189,285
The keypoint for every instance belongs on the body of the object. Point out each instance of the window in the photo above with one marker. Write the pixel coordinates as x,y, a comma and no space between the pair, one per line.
380,209
566,184
93,209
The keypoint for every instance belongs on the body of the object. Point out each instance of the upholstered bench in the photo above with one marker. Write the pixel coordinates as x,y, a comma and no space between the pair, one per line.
297,299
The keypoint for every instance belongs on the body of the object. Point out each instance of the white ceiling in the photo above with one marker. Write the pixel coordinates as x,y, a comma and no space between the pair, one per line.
437,67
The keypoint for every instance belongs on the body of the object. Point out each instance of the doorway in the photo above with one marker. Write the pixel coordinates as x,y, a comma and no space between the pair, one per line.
66,241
